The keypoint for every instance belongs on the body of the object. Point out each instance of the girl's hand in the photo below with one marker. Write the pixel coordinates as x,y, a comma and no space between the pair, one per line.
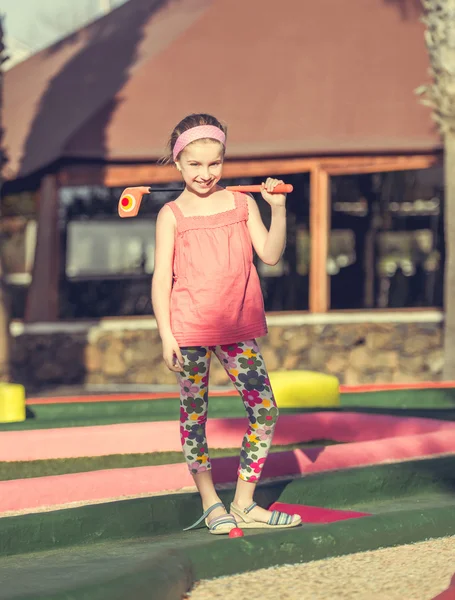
272,199
172,355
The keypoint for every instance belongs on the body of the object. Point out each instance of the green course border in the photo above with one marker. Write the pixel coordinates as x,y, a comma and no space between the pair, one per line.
169,573
157,515
427,403
10,470
316,542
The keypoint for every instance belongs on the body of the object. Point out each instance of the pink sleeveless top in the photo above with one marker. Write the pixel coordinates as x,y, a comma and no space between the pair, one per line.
216,297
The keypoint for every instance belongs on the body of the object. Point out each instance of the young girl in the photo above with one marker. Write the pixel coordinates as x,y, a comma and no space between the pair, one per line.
207,300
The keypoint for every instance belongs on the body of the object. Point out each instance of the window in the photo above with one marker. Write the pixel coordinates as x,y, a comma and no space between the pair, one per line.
285,285
110,249
109,262
18,237
17,246
386,247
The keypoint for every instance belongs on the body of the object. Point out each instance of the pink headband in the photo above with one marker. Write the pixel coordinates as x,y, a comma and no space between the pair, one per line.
198,133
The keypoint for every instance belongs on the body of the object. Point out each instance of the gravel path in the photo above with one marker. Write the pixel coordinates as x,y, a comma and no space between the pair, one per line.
413,572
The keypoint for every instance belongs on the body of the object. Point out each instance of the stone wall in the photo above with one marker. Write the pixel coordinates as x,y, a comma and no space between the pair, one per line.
130,353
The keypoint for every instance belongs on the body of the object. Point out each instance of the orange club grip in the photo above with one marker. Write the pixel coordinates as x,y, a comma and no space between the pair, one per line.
281,188
130,201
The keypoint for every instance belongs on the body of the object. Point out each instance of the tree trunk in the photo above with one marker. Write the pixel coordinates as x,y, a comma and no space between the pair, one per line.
449,271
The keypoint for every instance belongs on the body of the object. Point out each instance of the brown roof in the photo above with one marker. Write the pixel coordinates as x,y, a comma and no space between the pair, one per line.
295,78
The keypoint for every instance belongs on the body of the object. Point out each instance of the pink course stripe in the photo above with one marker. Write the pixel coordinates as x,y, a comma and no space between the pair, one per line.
163,436
29,494
449,593
386,387
317,514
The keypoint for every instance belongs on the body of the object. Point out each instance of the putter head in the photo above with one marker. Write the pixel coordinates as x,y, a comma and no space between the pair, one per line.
130,201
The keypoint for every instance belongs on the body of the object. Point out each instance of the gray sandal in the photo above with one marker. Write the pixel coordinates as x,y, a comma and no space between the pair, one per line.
278,520
218,525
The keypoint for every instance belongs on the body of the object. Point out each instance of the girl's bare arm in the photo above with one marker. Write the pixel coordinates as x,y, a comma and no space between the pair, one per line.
269,245
162,285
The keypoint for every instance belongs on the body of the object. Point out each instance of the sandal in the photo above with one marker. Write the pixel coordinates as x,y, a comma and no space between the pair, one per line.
278,520
218,525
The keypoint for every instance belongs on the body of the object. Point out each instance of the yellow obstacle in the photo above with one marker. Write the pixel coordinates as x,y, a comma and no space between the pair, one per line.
293,389
12,402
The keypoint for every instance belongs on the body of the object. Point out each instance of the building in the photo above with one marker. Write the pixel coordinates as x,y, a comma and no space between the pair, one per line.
321,94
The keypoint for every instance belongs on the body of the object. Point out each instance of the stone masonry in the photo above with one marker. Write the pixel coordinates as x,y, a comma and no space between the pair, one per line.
356,353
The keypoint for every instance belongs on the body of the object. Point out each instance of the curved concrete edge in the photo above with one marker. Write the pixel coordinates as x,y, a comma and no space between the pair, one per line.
165,514
168,575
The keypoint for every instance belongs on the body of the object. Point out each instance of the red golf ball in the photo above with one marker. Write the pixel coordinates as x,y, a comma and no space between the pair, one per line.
236,532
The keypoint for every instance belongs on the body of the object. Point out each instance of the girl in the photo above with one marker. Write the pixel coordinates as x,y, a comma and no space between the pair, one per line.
207,299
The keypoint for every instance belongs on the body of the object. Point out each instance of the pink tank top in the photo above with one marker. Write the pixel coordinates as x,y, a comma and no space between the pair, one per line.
216,297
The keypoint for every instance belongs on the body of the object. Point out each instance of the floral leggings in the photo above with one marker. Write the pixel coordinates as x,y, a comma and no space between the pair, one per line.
245,366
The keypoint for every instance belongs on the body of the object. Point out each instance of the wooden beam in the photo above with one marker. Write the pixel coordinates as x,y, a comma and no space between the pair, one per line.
382,164
137,174
117,175
43,294
319,240
266,167
125,175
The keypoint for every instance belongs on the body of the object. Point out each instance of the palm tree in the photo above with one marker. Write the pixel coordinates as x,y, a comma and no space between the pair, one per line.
439,19
4,313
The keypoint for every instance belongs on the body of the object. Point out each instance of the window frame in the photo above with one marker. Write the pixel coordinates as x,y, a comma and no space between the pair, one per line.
45,279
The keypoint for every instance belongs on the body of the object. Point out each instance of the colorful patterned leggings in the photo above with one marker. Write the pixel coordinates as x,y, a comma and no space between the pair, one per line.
245,366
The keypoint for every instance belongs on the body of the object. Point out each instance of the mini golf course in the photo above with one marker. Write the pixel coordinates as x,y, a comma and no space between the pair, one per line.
94,493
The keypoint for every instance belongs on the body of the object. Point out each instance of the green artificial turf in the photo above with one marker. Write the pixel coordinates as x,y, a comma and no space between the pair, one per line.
61,466
432,398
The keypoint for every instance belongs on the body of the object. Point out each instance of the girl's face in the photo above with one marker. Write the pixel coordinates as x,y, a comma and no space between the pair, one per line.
201,165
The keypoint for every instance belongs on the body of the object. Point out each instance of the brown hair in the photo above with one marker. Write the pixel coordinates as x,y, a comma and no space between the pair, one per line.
189,122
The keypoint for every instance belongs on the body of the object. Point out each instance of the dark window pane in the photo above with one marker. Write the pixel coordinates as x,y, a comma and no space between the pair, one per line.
285,285
387,240
108,261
